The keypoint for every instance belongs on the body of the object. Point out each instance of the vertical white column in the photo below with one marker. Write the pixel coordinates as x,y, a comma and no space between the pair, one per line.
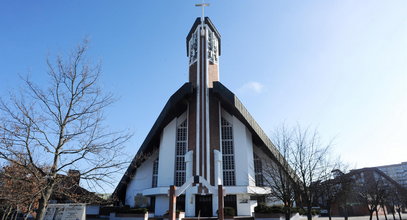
218,167
188,164
197,103
214,204
189,196
189,202
208,159
218,178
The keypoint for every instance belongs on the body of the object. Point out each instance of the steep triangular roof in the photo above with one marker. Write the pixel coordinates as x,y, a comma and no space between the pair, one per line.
176,105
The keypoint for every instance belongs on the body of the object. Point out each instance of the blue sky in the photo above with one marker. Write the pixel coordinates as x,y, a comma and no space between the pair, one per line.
339,65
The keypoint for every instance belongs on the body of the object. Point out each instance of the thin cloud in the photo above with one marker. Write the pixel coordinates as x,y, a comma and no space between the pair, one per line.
252,87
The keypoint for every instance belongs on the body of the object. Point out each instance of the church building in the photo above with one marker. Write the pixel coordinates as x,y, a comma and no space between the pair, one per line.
204,137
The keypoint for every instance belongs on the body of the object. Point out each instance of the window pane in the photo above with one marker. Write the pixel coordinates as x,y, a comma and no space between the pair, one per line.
181,149
228,158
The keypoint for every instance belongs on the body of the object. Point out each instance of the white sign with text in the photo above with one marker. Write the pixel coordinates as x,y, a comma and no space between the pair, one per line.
65,212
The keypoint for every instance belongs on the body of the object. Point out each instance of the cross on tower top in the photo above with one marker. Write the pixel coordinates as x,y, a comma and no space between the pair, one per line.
203,5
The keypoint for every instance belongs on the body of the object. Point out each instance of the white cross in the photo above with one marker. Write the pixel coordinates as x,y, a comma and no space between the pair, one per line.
203,5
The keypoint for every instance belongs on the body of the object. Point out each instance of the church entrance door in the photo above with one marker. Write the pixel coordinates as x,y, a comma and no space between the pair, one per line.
203,205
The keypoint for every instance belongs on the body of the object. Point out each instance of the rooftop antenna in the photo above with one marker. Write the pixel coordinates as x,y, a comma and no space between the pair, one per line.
203,5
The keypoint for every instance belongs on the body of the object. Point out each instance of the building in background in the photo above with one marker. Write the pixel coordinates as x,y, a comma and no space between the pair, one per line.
352,193
398,172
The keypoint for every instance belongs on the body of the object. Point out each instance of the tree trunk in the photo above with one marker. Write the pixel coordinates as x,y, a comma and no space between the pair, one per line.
43,202
399,211
9,212
14,215
287,215
42,206
393,213
377,214
287,211
309,215
329,213
346,212
5,214
371,214
384,211
30,207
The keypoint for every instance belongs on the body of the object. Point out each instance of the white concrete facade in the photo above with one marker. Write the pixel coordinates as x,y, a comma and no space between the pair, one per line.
167,155
243,154
141,181
244,171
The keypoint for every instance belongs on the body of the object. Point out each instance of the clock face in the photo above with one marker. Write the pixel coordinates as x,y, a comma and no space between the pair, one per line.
193,48
212,47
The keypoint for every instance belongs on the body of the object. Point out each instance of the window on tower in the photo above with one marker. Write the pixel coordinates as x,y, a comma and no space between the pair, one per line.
193,48
180,150
212,47
228,156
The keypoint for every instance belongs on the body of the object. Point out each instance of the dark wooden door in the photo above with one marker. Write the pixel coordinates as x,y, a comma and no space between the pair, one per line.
230,201
203,205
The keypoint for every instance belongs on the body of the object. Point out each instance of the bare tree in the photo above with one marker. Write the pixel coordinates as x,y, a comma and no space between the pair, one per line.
394,200
279,179
326,194
60,127
371,191
337,190
305,164
346,194
310,160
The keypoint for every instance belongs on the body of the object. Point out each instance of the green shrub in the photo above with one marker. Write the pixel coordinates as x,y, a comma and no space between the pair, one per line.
229,211
276,209
269,209
261,208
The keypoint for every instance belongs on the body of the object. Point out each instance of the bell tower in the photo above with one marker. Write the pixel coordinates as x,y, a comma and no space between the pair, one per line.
203,51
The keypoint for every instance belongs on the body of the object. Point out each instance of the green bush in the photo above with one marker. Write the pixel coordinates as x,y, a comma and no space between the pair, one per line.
229,211
268,209
276,209
261,208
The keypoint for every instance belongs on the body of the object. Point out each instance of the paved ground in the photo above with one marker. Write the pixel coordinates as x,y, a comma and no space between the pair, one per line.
381,217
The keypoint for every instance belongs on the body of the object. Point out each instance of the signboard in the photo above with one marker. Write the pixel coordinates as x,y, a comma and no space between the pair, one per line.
65,212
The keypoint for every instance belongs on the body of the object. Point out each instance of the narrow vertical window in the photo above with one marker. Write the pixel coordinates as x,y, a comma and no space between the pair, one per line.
228,156
155,173
180,150
258,170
